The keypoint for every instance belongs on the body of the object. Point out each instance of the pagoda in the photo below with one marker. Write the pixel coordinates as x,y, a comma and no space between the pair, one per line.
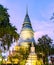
27,33
32,58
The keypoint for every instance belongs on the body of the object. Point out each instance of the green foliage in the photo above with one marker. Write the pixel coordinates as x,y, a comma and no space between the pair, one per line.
44,47
44,44
21,55
7,31
52,51
22,62
45,40
4,17
24,52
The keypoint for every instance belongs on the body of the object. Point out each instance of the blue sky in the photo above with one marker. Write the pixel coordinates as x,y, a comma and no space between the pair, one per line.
39,11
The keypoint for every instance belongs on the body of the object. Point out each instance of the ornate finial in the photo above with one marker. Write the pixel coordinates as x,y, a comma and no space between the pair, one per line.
32,48
27,9
32,44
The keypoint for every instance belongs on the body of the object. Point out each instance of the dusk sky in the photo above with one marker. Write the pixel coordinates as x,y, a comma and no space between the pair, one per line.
40,12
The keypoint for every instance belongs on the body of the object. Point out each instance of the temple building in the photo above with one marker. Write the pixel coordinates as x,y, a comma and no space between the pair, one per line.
26,38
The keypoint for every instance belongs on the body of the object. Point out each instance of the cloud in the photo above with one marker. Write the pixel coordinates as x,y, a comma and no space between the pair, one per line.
43,28
42,25
41,33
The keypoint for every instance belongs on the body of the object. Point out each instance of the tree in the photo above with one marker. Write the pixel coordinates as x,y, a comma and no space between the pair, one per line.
52,51
24,52
52,17
46,42
44,45
7,31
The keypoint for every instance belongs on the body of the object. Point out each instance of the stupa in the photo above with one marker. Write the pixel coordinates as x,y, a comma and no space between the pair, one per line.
27,33
32,58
